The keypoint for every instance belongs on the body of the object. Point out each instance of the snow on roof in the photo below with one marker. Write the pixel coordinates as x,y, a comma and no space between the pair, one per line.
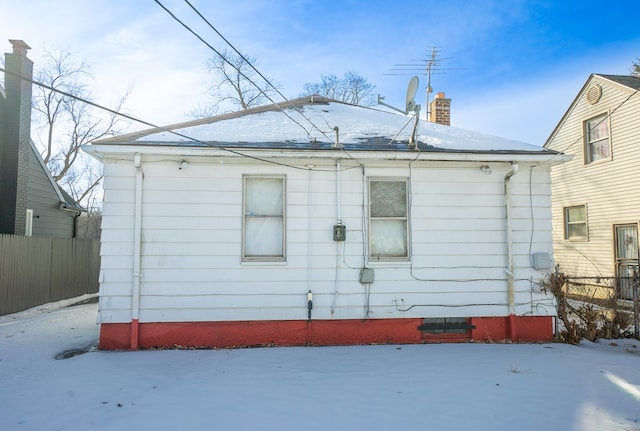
313,122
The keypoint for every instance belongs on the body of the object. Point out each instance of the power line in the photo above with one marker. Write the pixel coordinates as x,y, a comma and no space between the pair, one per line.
243,57
605,118
238,69
251,81
146,123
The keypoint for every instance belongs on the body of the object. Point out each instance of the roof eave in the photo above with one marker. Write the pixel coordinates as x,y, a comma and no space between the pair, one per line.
100,151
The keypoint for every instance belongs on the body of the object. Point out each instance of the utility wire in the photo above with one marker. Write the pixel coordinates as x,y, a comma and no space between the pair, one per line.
160,128
300,112
606,117
238,70
246,60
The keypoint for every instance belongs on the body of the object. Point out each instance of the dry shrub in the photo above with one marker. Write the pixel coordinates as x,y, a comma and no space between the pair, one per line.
581,319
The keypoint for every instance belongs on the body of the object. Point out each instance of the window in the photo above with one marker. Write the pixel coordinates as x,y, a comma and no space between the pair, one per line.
388,223
575,222
263,218
597,143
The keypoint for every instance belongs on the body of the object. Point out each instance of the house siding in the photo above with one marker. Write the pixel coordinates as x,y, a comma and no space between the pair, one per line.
608,188
191,268
48,219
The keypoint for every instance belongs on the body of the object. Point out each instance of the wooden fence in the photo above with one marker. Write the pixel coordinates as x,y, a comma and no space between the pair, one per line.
38,270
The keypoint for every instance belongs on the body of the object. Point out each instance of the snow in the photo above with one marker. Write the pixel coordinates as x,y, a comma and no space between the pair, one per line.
593,386
317,122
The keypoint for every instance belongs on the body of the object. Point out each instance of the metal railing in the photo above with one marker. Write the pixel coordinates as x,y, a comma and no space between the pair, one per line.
615,294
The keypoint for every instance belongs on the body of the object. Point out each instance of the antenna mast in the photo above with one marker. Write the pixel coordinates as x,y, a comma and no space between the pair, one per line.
428,67
431,64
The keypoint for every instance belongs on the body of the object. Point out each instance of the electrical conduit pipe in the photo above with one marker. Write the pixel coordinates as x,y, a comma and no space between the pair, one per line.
510,278
137,239
339,221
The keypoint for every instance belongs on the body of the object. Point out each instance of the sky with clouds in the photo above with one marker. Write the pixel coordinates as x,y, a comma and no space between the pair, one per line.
511,68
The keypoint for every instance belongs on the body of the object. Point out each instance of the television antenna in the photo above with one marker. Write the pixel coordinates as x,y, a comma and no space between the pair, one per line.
427,67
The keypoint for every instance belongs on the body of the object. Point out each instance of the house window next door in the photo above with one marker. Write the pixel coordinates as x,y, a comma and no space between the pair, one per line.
626,242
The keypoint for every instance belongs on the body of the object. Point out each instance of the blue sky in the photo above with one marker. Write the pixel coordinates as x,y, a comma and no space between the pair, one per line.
515,65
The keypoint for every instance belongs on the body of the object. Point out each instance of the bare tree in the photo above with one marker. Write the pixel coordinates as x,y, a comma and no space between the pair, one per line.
351,88
235,81
635,67
63,124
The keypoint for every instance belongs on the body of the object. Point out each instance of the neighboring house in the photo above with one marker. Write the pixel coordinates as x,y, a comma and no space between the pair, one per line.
596,209
318,222
31,202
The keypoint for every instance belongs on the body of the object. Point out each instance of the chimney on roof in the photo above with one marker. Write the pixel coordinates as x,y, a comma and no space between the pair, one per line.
440,110
15,136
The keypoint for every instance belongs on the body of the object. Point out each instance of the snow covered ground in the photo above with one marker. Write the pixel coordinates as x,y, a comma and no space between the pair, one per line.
594,386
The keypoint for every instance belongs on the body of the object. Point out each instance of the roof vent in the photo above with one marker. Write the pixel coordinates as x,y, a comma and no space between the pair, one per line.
594,93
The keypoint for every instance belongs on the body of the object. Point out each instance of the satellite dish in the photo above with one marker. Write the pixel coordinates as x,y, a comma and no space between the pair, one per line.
412,88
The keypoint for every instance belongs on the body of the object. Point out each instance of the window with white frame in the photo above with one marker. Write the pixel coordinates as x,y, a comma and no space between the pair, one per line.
575,223
388,218
263,233
597,142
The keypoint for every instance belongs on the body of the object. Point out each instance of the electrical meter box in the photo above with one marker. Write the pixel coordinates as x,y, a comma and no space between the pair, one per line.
339,232
541,261
366,275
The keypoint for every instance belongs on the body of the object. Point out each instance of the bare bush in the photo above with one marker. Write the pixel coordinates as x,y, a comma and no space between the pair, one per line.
585,316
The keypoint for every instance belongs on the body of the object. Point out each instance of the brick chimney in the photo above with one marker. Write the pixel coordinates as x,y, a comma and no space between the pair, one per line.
440,110
15,135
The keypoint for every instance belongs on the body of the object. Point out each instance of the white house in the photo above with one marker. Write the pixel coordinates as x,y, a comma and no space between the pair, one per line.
317,222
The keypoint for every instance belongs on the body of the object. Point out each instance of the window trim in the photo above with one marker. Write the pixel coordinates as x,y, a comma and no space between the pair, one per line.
588,157
388,258
265,258
566,222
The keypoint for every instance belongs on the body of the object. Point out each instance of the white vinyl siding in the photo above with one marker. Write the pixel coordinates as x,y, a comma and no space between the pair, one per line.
388,221
264,218
191,266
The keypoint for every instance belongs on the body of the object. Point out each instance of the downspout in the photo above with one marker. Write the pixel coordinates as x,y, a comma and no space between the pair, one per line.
309,227
75,223
137,245
309,256
510,278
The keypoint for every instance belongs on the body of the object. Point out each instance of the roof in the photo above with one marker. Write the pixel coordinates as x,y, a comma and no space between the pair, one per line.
632,82
628,83
319,123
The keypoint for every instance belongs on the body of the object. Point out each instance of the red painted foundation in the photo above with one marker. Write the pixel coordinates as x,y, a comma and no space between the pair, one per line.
121,336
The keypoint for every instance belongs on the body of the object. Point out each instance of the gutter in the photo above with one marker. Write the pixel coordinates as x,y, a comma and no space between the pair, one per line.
128,150
509,245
